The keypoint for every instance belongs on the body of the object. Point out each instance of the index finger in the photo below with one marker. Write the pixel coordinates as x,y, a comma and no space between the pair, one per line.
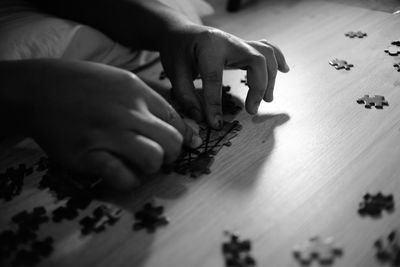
159,107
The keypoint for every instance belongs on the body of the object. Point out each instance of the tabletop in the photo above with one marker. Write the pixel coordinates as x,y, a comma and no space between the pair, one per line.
298,169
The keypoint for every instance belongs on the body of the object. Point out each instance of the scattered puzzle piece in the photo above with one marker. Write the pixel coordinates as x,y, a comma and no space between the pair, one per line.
358,34
150,218
397,66
237,252
30,221
322,250
388,249
65,184
396,42
102,216
12,181
198,161
377,101
393,50
340,64
373,205
71,210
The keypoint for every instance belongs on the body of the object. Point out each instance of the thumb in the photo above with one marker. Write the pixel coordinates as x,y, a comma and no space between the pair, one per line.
110,169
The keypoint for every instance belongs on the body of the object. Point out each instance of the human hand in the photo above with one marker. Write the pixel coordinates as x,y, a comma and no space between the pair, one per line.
194,49
103,121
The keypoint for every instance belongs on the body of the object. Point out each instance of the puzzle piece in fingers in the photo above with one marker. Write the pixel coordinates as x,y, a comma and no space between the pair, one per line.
358,34
198,161
388,249
150,217
340,64
393,50
377,101
237,252
316,249
374,205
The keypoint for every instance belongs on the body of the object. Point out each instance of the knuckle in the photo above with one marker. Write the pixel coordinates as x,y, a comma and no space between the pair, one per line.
213,103
267,50
154,160
109,166
207,34
258,59
212,77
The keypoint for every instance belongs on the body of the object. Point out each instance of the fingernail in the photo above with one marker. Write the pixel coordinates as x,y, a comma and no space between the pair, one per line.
196,141
196,114
287,67
218,121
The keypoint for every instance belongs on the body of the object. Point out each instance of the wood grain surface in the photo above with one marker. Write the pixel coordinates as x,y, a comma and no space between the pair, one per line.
297,169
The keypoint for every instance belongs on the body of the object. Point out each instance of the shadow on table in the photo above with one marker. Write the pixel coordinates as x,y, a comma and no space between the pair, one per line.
258,151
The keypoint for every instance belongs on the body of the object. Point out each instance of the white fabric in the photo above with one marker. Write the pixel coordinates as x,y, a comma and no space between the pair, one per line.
26,33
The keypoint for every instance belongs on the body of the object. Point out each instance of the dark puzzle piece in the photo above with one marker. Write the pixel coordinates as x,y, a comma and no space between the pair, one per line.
397,66
71,210
102,216
62,183
316,249
8,243
388,249
373,205
237,252
38,251
396,42
358,34
393,50
25,257
198,161
30,221
42,164
12,181
378,101
150,217
44,247
340,64
25,235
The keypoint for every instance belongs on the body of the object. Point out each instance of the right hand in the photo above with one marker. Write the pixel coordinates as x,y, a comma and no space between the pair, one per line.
103,121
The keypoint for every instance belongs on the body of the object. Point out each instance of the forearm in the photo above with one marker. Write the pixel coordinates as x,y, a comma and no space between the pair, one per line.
141,24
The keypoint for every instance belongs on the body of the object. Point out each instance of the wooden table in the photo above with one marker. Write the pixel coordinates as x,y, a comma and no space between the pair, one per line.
297,169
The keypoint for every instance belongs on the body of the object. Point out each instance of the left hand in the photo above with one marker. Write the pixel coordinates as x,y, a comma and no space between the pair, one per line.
195,49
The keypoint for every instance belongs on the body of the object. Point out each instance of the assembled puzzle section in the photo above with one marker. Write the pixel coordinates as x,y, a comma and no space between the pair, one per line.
198,161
